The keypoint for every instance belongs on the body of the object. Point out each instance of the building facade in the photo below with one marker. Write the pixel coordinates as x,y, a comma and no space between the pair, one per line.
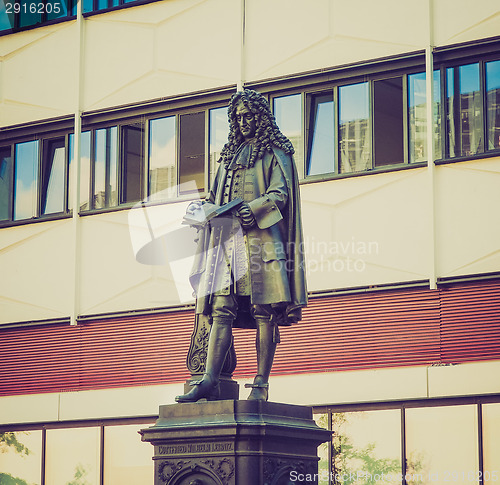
112,115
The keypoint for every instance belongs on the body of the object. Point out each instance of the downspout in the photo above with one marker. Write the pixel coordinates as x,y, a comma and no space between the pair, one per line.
76,230
241,79
429,80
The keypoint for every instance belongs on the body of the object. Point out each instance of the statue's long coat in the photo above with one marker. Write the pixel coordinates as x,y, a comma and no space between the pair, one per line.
274,244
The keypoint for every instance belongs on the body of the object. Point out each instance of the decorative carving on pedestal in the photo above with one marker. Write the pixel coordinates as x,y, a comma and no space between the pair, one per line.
278,471
213,471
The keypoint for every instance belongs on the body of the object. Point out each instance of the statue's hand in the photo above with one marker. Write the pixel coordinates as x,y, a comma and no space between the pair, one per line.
194,207
246,216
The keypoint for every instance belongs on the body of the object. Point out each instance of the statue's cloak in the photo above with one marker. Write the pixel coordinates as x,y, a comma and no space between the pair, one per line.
276,239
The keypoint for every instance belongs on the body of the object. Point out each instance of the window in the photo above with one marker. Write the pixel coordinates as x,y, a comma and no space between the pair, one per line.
431,437
21,457
5,182
18,15
321,134
427,442
354,128
367,442
105,168
493,104
33,182
127,460
219,130
465,113
491,442
417,114
82,455
192,151
54,176
381,122
162,166
72,456
288,113
132,162
26,180
85,139
388,121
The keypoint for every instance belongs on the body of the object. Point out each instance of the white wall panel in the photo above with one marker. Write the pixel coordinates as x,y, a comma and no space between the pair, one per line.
36,268
295,36
366,230
468,221
112,280
459,21
168,49
39,74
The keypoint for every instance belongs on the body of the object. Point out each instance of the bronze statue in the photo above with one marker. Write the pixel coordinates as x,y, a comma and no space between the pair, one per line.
249,268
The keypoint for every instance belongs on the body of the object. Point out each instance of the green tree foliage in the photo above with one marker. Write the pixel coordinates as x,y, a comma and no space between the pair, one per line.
79,478
9,480
9,440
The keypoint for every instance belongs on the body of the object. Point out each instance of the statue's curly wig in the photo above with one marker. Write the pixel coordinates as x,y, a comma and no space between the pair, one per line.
267,135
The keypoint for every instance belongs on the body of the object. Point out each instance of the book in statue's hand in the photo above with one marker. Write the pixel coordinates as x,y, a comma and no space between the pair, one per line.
208,211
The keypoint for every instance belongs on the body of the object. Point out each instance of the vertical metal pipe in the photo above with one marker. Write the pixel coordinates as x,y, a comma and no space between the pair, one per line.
429,80
76,167
241,80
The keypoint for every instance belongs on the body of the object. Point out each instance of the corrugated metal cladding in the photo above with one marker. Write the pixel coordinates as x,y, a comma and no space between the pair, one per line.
458,323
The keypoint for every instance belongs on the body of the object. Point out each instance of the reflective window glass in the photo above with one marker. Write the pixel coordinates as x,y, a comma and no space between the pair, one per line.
493,104
219,129
388,122
491,442
72,456
132,162
56,9
367,445
88,6
127,460
192,151
162,173
105,168
5,183
417,116
21,457
323,464
432,453
321,135
6,19
84,170
29,13
53,176
288,113
26,179
354,128
465,113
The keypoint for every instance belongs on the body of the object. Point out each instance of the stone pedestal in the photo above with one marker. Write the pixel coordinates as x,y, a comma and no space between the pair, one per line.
235,443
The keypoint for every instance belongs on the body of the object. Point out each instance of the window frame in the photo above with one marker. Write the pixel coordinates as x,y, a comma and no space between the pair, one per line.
43,134
102,424
310,83
475,400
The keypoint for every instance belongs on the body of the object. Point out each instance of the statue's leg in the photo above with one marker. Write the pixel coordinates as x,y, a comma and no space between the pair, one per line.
219,342
267,339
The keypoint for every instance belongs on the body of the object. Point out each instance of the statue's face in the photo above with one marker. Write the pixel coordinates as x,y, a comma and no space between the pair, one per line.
246,121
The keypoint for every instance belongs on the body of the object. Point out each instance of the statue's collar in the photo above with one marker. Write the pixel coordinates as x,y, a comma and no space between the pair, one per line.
241,159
